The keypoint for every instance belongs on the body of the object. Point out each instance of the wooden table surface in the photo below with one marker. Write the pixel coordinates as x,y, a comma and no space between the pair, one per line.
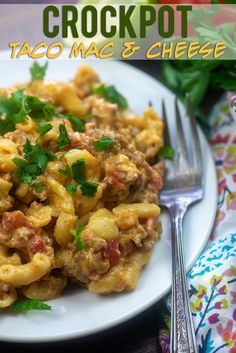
139,335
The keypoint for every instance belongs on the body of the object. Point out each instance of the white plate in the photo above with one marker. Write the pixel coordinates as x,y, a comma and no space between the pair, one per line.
80,313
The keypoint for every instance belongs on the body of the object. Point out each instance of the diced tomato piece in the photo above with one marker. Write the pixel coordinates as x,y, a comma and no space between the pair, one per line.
78,141
36,244
112,252
117,180
13,220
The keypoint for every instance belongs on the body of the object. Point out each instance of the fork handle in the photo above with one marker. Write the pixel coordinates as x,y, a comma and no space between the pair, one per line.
182,330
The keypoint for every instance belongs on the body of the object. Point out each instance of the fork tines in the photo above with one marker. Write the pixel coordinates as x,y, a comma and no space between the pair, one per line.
187,159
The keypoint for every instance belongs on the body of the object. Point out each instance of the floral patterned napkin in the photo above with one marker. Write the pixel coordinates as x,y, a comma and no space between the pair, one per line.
212,280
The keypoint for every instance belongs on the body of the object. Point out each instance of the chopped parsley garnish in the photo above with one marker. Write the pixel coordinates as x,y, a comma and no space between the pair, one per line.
37,71
76,234
66,171
13,110
63,140
40,110
43,129
34,162
22,101
39,187
104,144
18,107
21,172
166,152
111,94
20,306
77,123
78,171
89,188
71,188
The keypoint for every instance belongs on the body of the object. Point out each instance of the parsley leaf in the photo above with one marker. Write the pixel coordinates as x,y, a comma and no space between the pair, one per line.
76,234
71,188
37,71
13,110
37,154
29,304
63,140
89,188
77,123
21,100
66,171
34,164
111,94
18,106
166,152
21,173
43,129
6,125
78,171
40,110
104,144
39,187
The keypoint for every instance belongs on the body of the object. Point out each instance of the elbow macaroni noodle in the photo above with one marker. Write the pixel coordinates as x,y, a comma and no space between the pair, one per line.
21,275
96,225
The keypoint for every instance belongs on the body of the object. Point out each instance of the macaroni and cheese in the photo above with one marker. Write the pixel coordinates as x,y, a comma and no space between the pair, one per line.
79,186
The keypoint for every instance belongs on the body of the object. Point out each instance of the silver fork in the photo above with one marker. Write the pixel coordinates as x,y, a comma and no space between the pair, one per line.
183,186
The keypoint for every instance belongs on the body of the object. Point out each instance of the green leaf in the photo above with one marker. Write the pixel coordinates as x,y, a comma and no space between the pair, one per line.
229,84
202,15
111,94
34,164
78,171
43,129
76,234
104,144
66,171
77,123
89,188
166,152
37,154
170,75
24,109
202,65
24,305
63,140
39,187
13,110
207,343
71,188
6,125
18,107
40,110
21,173
37,71
198,90
188,80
